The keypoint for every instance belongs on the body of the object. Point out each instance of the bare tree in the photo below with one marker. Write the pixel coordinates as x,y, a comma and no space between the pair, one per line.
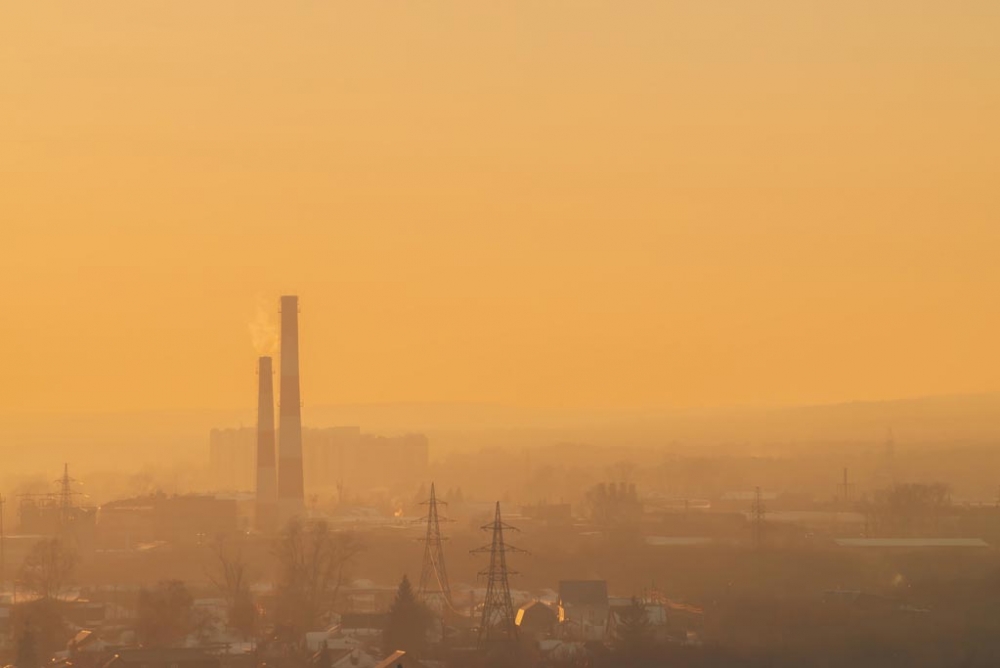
312,559
48,567
231,576
39,629
165,615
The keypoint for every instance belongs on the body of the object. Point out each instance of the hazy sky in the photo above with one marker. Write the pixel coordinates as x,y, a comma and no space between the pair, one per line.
567,203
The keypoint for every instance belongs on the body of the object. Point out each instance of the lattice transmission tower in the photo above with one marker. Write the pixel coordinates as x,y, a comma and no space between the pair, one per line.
66,495
434,576
496,625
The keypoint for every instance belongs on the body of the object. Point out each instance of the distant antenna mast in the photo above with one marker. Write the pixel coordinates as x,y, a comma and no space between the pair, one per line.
434,576
757,511
496,627
66,494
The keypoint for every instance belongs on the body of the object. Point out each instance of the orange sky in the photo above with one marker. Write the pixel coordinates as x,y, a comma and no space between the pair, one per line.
642,203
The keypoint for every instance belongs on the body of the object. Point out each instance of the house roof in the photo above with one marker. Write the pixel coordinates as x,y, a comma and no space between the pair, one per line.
398,658
539,604
911,542
534,608
332,656
583,592
163,655
82,637
388,661
656,614
353,658
561,649
679,541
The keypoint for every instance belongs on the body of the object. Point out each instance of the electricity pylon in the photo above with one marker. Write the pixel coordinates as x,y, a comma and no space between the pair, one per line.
434,576
66,495
496,625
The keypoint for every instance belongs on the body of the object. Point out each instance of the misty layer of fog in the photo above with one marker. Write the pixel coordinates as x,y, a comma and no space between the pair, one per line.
728,537
634,334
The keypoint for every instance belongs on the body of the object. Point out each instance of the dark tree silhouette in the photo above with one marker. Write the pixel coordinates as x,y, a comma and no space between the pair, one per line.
409,621
243,614
322,658
613,504
48,568
312,559
632,641
43,621
232,578
165,615
27,649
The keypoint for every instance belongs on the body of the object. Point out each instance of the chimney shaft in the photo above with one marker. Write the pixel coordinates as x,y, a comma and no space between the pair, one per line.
291,496
267,474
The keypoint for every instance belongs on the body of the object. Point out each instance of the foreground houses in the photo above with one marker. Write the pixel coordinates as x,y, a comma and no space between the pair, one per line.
536,620
583,609
170,657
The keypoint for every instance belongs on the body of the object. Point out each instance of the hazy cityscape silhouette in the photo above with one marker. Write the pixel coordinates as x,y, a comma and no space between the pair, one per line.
542,335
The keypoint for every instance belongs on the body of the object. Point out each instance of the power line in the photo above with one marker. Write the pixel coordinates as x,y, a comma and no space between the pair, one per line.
434,575
496,625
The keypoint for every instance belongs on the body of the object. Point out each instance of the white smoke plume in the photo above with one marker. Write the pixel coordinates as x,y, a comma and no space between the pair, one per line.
264,328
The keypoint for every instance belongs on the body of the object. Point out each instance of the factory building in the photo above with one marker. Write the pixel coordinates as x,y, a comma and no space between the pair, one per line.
172,518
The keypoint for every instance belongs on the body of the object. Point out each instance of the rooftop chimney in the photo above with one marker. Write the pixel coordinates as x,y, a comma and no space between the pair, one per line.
267,475
291,497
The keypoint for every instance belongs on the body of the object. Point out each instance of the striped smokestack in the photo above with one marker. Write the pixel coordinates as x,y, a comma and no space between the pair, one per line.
291,497
267,474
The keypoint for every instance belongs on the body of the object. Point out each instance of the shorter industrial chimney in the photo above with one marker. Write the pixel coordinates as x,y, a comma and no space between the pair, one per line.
267,473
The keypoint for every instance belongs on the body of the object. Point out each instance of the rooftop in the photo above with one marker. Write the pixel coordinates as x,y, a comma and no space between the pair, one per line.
911,542
583,592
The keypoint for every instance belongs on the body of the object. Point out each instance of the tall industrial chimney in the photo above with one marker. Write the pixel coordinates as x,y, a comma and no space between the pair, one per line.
267,474
291,497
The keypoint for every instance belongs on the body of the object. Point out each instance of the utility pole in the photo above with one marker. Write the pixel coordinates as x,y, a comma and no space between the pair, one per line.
846,490
434,576
496,626
757,519
888,465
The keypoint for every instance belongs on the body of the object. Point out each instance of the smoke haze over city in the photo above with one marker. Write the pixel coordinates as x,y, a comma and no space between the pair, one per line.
499,334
